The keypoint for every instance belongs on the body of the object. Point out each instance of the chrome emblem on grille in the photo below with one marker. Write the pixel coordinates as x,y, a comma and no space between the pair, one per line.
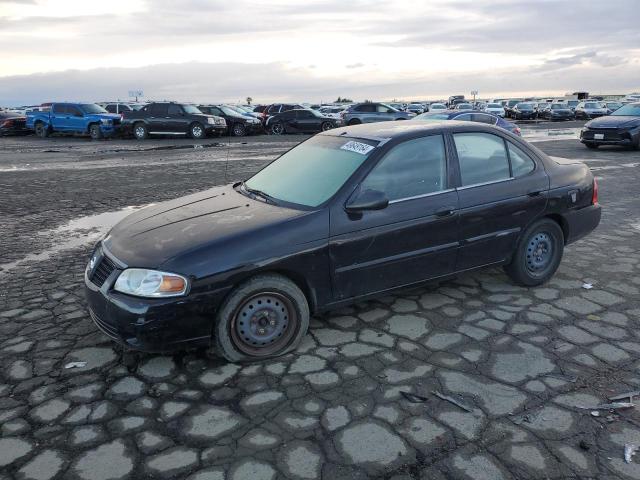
92,262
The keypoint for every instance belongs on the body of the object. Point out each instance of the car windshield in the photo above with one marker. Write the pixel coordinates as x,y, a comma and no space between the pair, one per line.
524,106
432,117
314,171
463,106
557,106
438,106
229,111
592,105
632,110
191,109
92,108
494,105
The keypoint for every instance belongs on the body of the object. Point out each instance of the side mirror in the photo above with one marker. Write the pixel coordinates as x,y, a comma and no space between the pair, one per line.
367,200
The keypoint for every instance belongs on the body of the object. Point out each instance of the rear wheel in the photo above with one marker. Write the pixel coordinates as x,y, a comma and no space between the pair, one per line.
196,131
140,131
265,317
326,126
95,132
42,131
355,121
537,255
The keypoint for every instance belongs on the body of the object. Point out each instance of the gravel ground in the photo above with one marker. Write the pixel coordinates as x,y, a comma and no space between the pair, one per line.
512,366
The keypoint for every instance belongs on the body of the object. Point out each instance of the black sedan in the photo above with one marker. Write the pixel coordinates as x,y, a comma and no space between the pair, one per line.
558,111
349,214
621,127
301,121
524,111
13,124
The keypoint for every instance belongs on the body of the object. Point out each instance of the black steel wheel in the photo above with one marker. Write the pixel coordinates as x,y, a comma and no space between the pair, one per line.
538,254
265,317
277,128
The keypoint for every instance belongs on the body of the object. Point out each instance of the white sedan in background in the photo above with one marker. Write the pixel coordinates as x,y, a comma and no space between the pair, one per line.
434,107
495,108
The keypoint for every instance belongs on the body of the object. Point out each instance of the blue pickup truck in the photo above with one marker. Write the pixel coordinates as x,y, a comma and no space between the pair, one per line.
74,118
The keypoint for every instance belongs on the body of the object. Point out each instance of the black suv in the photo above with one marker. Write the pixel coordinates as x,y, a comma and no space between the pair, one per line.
238,124
170,118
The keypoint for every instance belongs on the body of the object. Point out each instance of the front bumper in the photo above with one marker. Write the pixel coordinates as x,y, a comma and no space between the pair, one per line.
111,130
581,222
623,138
152,324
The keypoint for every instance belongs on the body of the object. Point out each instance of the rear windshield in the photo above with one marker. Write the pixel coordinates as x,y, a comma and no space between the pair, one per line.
312,172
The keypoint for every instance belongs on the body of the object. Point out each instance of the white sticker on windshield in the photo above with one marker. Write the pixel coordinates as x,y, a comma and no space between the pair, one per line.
361,148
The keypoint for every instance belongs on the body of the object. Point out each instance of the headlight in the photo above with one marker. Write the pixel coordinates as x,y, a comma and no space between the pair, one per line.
211,120
150,283
105,121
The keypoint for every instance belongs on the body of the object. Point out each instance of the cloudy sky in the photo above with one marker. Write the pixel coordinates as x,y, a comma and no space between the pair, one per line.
313,50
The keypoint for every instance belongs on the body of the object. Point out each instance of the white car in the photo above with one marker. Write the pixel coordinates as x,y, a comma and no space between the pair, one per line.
495,108
434,107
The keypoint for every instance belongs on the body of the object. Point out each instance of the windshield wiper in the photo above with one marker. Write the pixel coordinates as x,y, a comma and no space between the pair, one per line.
258,193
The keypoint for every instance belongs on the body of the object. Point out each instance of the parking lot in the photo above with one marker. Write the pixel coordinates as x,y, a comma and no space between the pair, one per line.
469,379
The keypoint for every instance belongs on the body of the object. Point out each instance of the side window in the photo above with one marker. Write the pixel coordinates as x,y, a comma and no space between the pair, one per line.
175,109
464,117
383,109
303,115
59,109
365,108
482,118
521,163
216,111
482,158
415,167
159,109
74,111
111,108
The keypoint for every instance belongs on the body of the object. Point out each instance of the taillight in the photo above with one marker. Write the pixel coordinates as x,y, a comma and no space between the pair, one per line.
594,198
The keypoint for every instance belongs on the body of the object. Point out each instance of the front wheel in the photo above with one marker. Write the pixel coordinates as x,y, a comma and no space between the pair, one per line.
265,317
95,132
239,130
196,131
140,131
277,128
537,255
326,126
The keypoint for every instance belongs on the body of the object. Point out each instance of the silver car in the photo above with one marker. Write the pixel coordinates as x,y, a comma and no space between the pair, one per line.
373,112
588,110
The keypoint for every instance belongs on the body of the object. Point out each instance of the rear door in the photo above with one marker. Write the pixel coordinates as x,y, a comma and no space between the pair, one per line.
307,122
502,190
177,120
415,238
157,118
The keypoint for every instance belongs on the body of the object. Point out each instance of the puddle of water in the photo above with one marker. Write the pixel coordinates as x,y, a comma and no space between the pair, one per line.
76,233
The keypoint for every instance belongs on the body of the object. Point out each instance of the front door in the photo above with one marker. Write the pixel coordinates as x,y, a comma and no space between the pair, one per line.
502,190
177,121
60,116
415,238
157,118
307,121
75,119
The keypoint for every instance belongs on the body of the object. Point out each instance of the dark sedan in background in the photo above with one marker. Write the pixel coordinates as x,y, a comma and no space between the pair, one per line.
301,120
621,127
469,116
558,111
524,111
347,215
238,125
13,124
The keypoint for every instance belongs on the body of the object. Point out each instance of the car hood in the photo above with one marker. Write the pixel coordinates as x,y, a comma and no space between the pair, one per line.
561,110
153,236
614,121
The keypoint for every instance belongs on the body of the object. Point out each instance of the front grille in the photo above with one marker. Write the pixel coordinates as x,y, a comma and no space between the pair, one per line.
611,135
102,271
106,328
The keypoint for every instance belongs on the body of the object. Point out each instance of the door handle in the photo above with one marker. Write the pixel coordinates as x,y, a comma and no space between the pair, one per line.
534,193
444,211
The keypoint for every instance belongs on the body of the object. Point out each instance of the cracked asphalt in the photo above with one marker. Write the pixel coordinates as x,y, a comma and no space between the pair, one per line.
469,379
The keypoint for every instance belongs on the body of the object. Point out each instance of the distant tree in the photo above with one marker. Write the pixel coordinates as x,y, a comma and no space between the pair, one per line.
343,100
249,100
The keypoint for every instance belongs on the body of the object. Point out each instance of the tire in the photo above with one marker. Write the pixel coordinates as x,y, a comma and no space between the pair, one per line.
592,146
283,321
278,128
196,131
41,130
238,130
95,132
354,121
537,255
398,119
326,126
140,131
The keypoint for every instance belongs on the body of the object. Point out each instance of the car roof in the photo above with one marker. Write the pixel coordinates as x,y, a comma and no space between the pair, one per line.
385,131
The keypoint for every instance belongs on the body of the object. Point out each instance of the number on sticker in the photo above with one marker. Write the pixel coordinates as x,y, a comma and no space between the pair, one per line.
357,147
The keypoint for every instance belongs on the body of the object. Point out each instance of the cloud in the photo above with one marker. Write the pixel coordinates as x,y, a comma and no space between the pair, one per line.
355,65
